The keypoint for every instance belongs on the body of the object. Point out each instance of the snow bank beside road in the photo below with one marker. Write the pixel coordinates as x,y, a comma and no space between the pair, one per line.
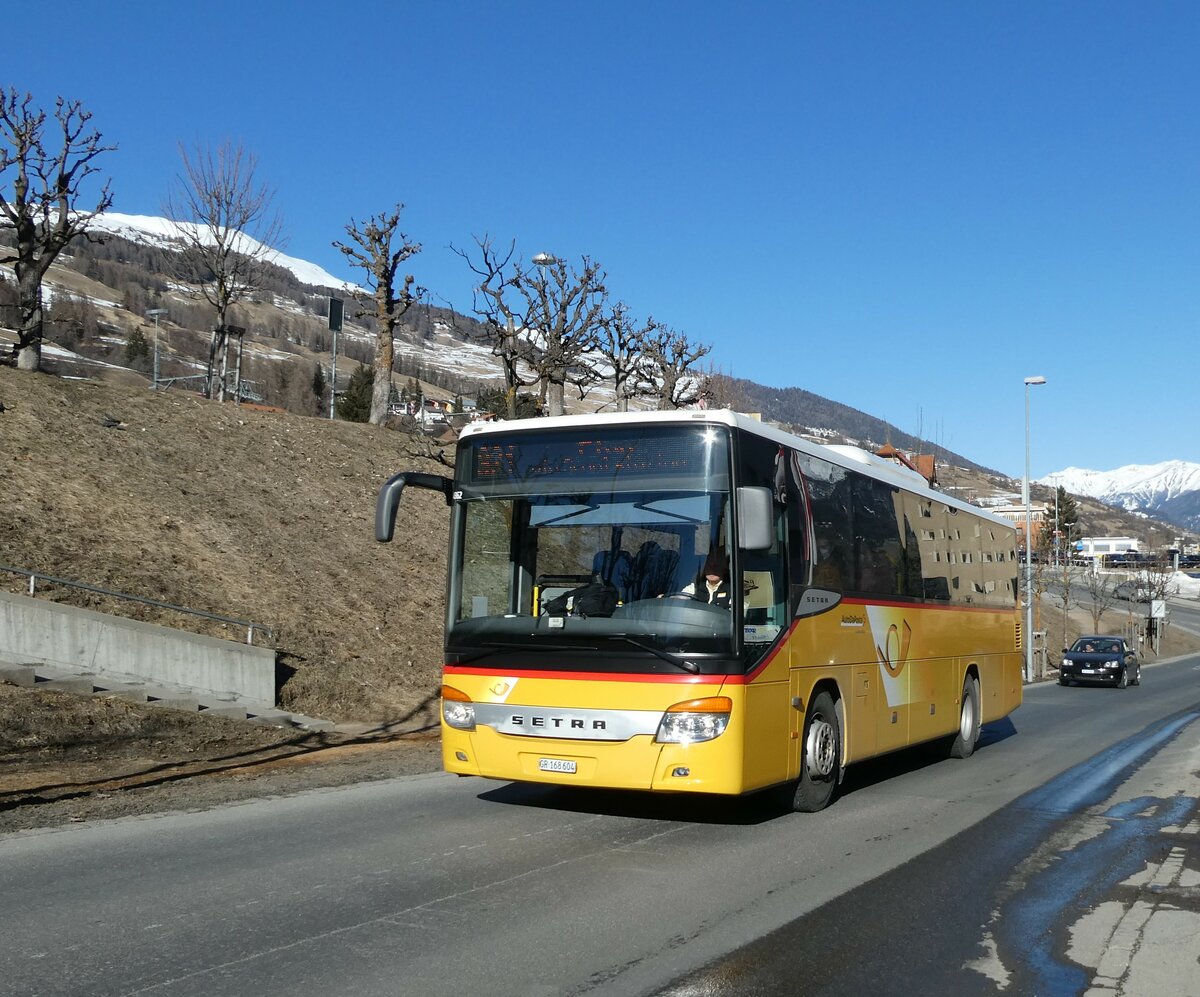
1184,586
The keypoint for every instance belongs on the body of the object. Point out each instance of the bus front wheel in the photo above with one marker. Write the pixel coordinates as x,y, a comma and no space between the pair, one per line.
821,765
962,745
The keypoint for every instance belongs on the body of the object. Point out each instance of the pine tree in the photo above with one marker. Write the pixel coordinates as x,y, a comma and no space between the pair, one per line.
318,381
137,352
1065,526
495,400
355,403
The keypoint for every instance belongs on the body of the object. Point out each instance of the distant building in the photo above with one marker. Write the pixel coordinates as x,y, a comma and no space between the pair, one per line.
1093,547
924,464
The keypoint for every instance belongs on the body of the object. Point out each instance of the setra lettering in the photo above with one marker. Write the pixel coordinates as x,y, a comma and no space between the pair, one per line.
572,723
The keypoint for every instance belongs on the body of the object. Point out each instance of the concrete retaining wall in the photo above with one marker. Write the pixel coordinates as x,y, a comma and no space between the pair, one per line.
34,630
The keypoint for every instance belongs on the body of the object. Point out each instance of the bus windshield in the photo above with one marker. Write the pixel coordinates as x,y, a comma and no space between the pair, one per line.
592,540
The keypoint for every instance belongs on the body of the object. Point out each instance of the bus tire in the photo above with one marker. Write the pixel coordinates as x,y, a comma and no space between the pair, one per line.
821,764
962,745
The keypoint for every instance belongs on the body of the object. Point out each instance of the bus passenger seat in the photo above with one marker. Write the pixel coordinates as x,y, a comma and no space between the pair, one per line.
616,571
653,571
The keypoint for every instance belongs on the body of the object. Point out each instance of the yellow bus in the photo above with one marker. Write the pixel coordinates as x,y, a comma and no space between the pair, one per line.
863,612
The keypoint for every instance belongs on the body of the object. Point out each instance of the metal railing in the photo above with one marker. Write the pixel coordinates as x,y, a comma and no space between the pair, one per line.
35,576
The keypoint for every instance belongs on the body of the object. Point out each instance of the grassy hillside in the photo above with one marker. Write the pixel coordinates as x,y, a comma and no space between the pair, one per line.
255,515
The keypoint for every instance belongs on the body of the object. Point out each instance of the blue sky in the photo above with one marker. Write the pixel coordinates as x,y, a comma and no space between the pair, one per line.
907,208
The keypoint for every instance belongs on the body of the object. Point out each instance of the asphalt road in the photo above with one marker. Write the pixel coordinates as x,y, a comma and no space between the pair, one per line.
435,885
1184,613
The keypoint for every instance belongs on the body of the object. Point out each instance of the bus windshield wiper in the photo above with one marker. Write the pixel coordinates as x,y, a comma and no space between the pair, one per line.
674,659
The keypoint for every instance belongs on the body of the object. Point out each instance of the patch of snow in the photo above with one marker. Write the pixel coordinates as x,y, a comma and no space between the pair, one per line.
164,233
1185,586
61,353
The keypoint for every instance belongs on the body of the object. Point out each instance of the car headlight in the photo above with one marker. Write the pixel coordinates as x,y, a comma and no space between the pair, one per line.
457,709
695,720
1065,663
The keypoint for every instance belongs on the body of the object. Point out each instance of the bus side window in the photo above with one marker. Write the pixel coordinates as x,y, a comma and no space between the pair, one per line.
829,491
877,536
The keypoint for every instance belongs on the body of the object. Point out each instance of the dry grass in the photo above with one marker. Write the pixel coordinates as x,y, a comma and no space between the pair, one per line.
42,723
255,515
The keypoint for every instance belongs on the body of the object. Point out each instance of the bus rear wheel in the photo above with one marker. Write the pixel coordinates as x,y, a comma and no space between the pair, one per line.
821,765
962,745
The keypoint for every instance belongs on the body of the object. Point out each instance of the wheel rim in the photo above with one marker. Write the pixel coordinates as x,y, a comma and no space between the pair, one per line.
966,722
820,748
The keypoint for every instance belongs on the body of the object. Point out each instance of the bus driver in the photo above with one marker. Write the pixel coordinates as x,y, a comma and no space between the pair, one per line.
712,583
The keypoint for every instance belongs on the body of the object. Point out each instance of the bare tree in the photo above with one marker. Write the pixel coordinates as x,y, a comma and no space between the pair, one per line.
1062,581
564,315
227,229
415,445
375,252
41,201
1157,578
622,342
502,321
1101,595
668,361
543,321
719,390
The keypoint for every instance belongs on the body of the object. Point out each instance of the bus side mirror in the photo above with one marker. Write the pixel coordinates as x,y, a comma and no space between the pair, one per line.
389,499
756,518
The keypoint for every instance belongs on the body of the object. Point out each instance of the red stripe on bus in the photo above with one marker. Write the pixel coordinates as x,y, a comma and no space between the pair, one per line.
586,676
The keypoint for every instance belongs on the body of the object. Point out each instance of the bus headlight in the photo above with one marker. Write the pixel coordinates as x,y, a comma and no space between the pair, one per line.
695,720
457,709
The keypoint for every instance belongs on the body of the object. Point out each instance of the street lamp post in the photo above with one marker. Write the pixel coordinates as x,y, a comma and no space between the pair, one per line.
542,261
1056,530
1037,379
155,312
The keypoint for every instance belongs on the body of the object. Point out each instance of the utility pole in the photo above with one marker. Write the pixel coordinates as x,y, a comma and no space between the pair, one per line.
1056,529
1028,633
155,313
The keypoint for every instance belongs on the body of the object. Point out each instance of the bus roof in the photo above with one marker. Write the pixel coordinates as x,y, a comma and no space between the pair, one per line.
849,457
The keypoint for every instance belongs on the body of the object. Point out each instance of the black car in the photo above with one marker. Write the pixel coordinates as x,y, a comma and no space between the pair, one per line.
1100,658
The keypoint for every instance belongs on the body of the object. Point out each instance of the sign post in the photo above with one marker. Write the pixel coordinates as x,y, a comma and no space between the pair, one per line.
335,326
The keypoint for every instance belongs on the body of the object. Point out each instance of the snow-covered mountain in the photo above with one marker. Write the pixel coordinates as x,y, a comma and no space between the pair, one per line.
147,229
1169,491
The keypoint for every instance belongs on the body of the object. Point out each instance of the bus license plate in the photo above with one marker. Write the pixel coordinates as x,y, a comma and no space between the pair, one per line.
556,765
